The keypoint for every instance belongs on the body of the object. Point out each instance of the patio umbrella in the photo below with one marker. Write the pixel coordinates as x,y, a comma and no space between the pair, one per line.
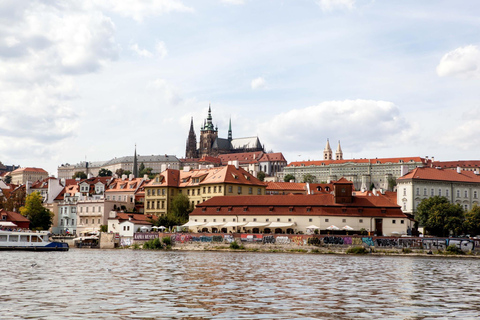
333,227
348,228
143,228
162,228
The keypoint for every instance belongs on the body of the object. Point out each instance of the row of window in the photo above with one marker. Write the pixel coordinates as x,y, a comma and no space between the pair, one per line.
119,198
432,192
99,209
72,222
203,190
86,221
160,204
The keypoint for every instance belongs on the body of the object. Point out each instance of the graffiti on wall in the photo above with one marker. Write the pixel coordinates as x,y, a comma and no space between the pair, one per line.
282,240
464,245
228,238
434,244
251,238
268,239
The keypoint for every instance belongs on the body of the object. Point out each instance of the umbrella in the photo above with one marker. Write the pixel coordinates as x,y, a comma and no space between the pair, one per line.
333,227
162,227
143,228
155,227
312,227
347,228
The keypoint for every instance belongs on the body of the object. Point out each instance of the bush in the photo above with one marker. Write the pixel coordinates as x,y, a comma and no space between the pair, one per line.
406,250
357,250
453,249
154,244
235,246
167,241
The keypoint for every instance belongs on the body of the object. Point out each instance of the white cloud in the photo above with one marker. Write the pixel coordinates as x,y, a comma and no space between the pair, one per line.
138,10
236,2
258,83
161,49
359,124
461,62
43,49
465,135
331,5
166,90
141,52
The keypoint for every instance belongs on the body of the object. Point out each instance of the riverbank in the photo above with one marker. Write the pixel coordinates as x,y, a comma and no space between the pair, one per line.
326,249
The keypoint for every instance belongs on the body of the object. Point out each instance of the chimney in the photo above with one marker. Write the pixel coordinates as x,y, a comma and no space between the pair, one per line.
124,176
131,176
90,175
186,169
459,170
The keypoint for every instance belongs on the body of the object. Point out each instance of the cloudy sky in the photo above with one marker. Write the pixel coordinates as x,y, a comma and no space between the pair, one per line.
89,79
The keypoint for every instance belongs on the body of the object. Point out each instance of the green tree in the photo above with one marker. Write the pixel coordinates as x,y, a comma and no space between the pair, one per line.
141,168
308,178
289,177
79,174
391,183
104,173
472,221
119,172
127,172
103,228
261,175
439,217
181,208
40,217
146,171
372,186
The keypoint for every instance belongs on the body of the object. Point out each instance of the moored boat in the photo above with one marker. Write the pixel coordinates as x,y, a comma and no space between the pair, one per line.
31,241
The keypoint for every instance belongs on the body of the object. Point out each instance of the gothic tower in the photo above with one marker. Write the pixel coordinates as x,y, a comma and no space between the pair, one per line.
230,130
191,150
339,152
208,135
327,152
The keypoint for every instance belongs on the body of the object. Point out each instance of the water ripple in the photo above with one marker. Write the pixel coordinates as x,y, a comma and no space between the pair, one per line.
125,284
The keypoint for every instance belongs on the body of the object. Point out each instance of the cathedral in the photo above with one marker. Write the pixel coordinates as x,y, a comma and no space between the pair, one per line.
211,145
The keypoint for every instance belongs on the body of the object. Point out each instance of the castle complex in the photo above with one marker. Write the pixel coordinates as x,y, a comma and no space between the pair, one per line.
211,145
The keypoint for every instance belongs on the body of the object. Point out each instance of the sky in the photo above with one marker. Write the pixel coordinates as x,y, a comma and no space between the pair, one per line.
89,80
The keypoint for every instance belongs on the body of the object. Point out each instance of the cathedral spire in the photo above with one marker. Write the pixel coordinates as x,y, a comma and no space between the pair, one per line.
191,150
339,152
327,152
230,129
135,167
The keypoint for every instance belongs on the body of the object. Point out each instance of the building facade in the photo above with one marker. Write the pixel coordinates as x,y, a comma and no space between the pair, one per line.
199,185
22,175
458,186
339,210
364,173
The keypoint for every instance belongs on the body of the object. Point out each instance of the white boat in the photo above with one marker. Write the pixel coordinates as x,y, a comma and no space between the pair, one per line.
32,241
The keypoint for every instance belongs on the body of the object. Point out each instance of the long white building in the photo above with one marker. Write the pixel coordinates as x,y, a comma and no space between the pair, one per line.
462,187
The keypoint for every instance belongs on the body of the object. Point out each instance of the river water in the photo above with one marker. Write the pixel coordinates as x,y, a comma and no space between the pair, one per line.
135,284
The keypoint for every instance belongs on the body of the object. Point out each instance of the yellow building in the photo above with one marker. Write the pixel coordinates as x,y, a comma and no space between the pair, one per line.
199,185
22,175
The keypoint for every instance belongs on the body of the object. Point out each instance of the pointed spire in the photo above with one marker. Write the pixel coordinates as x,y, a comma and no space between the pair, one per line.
327,152
135,167
339,152
230,129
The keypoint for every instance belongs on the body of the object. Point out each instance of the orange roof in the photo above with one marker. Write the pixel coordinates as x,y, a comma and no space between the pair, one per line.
168,178
372,161
119,185
441,175
210,159
37,170
244,157
459,163
321,204
135,217
277,156
285,186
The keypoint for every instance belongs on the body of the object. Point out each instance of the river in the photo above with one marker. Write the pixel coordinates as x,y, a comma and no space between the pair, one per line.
135,284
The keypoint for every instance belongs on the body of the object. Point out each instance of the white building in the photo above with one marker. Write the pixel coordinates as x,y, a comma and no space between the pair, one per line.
462,187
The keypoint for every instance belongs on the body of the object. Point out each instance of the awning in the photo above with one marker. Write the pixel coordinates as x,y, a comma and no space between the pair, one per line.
257,224
281,224
214,224
234,224
7,224
193,224
333,227
312,227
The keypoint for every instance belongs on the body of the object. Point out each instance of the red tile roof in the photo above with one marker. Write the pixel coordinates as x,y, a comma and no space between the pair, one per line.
321,204
277,156
38,170
460,163
441,175
243,158
372,161
135,217
285,186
